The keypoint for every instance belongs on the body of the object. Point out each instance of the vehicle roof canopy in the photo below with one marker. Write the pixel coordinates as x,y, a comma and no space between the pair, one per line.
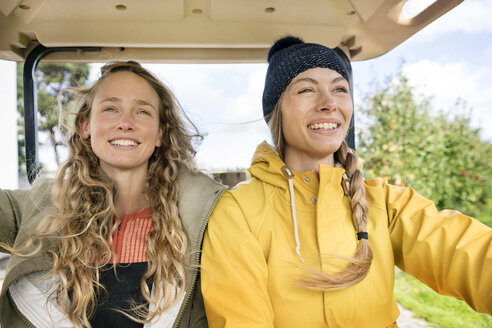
205,30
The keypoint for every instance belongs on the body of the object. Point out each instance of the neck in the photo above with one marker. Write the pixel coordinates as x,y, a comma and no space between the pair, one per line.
304,162
130,185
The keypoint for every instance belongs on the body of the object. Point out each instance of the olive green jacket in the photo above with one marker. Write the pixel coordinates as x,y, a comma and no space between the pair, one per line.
22,210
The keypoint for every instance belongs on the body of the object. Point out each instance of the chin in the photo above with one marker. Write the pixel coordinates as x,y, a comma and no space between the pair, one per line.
330,150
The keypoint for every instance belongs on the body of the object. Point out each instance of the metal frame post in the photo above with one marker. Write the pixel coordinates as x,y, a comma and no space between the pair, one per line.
31,104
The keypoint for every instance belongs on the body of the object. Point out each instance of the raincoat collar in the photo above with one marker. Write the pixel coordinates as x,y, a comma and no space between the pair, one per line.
303,186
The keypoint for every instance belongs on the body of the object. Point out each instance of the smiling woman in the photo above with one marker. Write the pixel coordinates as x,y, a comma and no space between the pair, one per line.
308,242
111,246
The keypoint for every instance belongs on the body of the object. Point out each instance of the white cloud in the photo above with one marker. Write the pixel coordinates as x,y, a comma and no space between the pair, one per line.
231,140
191,84
230,150
488,51
469,17
246,107
445,83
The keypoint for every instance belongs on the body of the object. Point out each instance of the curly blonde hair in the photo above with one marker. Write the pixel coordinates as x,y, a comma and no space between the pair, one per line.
84,197
360,263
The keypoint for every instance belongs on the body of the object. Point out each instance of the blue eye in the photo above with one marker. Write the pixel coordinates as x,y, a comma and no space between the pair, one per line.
144,112
341,89
108,109
305,90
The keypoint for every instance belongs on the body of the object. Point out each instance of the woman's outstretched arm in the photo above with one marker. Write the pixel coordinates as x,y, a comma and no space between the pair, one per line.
448,251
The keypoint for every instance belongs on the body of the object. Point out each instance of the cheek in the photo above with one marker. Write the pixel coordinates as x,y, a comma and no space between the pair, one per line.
99,133
294,114
347,109
290,127
296,109
153,132
98,129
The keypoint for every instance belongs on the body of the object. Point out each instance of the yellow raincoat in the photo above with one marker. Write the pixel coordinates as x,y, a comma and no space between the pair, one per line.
250,265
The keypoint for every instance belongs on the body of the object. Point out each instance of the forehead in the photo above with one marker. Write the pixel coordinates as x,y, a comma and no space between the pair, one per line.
126,85
319,74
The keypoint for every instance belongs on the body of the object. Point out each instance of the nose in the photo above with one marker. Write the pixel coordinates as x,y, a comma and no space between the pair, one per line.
126,122
326,101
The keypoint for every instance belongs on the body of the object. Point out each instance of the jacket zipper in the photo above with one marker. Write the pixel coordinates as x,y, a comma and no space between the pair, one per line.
18,313
197,262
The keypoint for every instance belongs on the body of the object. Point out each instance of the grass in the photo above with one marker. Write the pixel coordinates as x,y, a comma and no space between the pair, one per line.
486,215
439,311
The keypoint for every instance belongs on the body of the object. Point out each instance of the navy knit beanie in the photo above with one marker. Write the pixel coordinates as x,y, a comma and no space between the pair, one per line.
289,57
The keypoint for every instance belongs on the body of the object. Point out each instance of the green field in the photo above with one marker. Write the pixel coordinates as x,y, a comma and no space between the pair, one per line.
486,215
439,311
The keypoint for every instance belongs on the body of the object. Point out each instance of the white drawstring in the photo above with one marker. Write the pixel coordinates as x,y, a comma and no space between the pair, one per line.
290,176
294,218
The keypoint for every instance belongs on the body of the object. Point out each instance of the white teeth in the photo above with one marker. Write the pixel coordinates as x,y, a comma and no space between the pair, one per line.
123,142
323,126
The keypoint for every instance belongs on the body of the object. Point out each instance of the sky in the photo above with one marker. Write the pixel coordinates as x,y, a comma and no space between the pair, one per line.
450,59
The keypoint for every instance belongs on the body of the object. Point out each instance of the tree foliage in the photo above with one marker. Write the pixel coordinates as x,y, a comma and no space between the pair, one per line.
50,78
437,153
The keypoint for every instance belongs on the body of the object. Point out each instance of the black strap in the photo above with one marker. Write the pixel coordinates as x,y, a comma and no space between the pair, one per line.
362,235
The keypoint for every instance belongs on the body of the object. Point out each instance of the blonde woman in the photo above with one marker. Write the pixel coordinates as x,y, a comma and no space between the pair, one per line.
117,242
307,242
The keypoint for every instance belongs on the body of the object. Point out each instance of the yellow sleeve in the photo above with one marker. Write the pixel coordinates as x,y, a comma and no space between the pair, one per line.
234,271
448,251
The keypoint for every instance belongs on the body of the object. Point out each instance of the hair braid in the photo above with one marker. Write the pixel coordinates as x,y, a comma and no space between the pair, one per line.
359,264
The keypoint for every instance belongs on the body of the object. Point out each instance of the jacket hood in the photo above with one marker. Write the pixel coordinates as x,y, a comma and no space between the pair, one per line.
267,166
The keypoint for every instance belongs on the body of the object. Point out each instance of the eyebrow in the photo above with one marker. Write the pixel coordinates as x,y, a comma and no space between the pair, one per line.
116,99
308,79
305,79
143,102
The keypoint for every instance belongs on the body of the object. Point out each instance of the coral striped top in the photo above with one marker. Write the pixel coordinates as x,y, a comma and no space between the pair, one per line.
130,239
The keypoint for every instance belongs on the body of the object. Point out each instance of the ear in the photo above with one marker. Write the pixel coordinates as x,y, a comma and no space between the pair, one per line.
84,127
158,142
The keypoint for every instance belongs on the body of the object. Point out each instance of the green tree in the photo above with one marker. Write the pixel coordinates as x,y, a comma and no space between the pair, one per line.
438,153
51,78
